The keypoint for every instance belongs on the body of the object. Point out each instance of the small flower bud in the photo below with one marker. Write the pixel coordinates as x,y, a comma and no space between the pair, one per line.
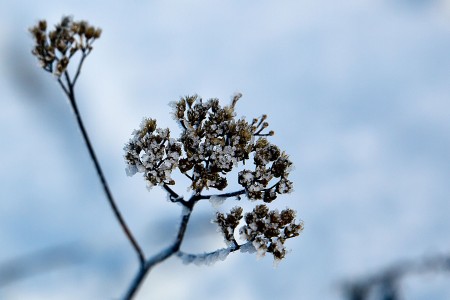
66,21
62,65
42,25
82,27
90,31
97,33
191,99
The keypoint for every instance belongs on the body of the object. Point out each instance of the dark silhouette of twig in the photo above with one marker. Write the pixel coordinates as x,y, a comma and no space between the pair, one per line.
168,251
68,89
224,195
174,248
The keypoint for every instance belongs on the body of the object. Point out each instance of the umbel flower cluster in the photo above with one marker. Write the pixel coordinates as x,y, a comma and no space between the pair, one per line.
265,229
213,142
55,47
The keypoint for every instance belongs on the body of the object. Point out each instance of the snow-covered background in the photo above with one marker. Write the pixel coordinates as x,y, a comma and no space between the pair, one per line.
357,91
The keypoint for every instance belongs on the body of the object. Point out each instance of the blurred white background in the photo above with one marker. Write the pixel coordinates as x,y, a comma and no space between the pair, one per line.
357,92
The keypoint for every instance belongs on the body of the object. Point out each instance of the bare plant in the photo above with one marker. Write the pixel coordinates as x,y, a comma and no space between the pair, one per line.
213,142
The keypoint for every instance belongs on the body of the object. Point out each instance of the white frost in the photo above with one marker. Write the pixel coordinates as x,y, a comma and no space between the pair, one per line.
131,170
216,201
248,247
206,258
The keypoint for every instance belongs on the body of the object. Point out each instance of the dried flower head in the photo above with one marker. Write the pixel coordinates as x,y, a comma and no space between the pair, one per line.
228,223
55,48
212,143
268,230
152,151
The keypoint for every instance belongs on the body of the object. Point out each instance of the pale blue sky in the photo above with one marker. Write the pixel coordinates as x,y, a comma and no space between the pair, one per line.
358,93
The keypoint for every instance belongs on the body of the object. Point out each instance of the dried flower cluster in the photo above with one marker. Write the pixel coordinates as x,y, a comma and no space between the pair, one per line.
256,182
265,229
55,48
227,224
153,152
269,229
211,144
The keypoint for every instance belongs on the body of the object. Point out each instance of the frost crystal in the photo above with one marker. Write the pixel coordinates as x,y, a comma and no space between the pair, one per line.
205,258
216,201
248,248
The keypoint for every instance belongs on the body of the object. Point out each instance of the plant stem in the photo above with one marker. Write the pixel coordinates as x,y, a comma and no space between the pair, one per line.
163,255
69,90
224,195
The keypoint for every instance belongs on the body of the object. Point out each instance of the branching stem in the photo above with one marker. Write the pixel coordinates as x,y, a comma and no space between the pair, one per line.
165,253
224,195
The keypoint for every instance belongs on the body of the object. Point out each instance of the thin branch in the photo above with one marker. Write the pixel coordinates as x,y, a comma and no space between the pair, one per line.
69,83
182,124
258,132
77,74
163,255
209,258
66,91
174,197
225,195
71,95
263,134
170,191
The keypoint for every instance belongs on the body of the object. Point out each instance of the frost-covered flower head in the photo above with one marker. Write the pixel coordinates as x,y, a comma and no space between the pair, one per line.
151,151
212,143
266,230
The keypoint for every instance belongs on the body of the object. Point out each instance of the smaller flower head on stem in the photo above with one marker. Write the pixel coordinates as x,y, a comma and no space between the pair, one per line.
55,48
